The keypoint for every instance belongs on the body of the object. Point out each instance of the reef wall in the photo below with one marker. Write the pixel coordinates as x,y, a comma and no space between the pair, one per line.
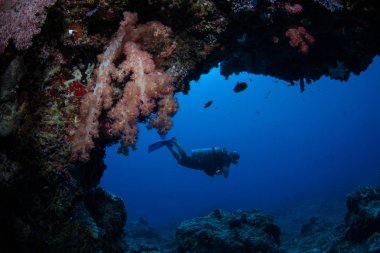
76,76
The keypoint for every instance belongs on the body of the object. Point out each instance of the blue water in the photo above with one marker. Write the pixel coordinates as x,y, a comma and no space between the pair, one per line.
295,147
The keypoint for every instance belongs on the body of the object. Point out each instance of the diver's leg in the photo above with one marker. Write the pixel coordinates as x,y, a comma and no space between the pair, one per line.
175,154
181,152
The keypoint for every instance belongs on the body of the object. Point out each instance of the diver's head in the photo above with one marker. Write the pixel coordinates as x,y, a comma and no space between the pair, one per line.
234,156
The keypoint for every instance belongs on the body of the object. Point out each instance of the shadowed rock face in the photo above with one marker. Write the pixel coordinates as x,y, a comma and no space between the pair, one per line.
41,90
220,231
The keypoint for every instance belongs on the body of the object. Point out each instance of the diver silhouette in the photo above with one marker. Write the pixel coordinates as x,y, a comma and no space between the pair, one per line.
213,161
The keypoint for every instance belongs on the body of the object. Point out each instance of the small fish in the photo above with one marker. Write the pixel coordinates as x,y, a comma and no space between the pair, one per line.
239,87
209,103
250,79
242,39
92,12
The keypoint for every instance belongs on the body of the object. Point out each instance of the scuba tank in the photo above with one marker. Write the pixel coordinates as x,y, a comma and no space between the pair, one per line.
212,159
202,154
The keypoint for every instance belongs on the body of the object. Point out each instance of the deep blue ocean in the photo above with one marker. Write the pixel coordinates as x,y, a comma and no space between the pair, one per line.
300,153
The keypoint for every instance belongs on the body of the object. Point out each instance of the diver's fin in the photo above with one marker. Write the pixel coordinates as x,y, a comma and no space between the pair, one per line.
158,145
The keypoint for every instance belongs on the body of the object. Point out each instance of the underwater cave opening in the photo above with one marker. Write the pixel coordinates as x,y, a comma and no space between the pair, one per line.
301,153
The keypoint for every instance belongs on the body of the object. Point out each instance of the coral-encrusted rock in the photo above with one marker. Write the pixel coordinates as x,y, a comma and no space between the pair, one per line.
109,214
96,225
363,218
220,231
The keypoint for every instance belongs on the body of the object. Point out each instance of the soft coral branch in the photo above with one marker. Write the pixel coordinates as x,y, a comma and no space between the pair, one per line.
301,38
148,85
145,89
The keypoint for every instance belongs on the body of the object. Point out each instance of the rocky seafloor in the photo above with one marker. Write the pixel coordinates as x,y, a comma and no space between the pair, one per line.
255,232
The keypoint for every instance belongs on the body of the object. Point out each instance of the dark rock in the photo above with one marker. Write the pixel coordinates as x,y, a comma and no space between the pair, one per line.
363,218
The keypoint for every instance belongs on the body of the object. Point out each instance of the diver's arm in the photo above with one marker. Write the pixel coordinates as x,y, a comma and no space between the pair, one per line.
226,171
225,167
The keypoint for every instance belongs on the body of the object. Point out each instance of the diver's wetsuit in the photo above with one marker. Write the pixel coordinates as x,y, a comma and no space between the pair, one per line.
212,161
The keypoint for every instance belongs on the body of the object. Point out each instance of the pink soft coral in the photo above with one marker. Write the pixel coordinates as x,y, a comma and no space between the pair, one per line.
20,20
148,85
301,38
147,88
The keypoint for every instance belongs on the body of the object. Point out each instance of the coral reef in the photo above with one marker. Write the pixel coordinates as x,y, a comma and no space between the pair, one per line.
220,231
66,76
96,223
20,20
324,43
252,231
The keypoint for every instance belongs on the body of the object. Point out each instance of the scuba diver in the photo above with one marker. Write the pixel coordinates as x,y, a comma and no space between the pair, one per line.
213,161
